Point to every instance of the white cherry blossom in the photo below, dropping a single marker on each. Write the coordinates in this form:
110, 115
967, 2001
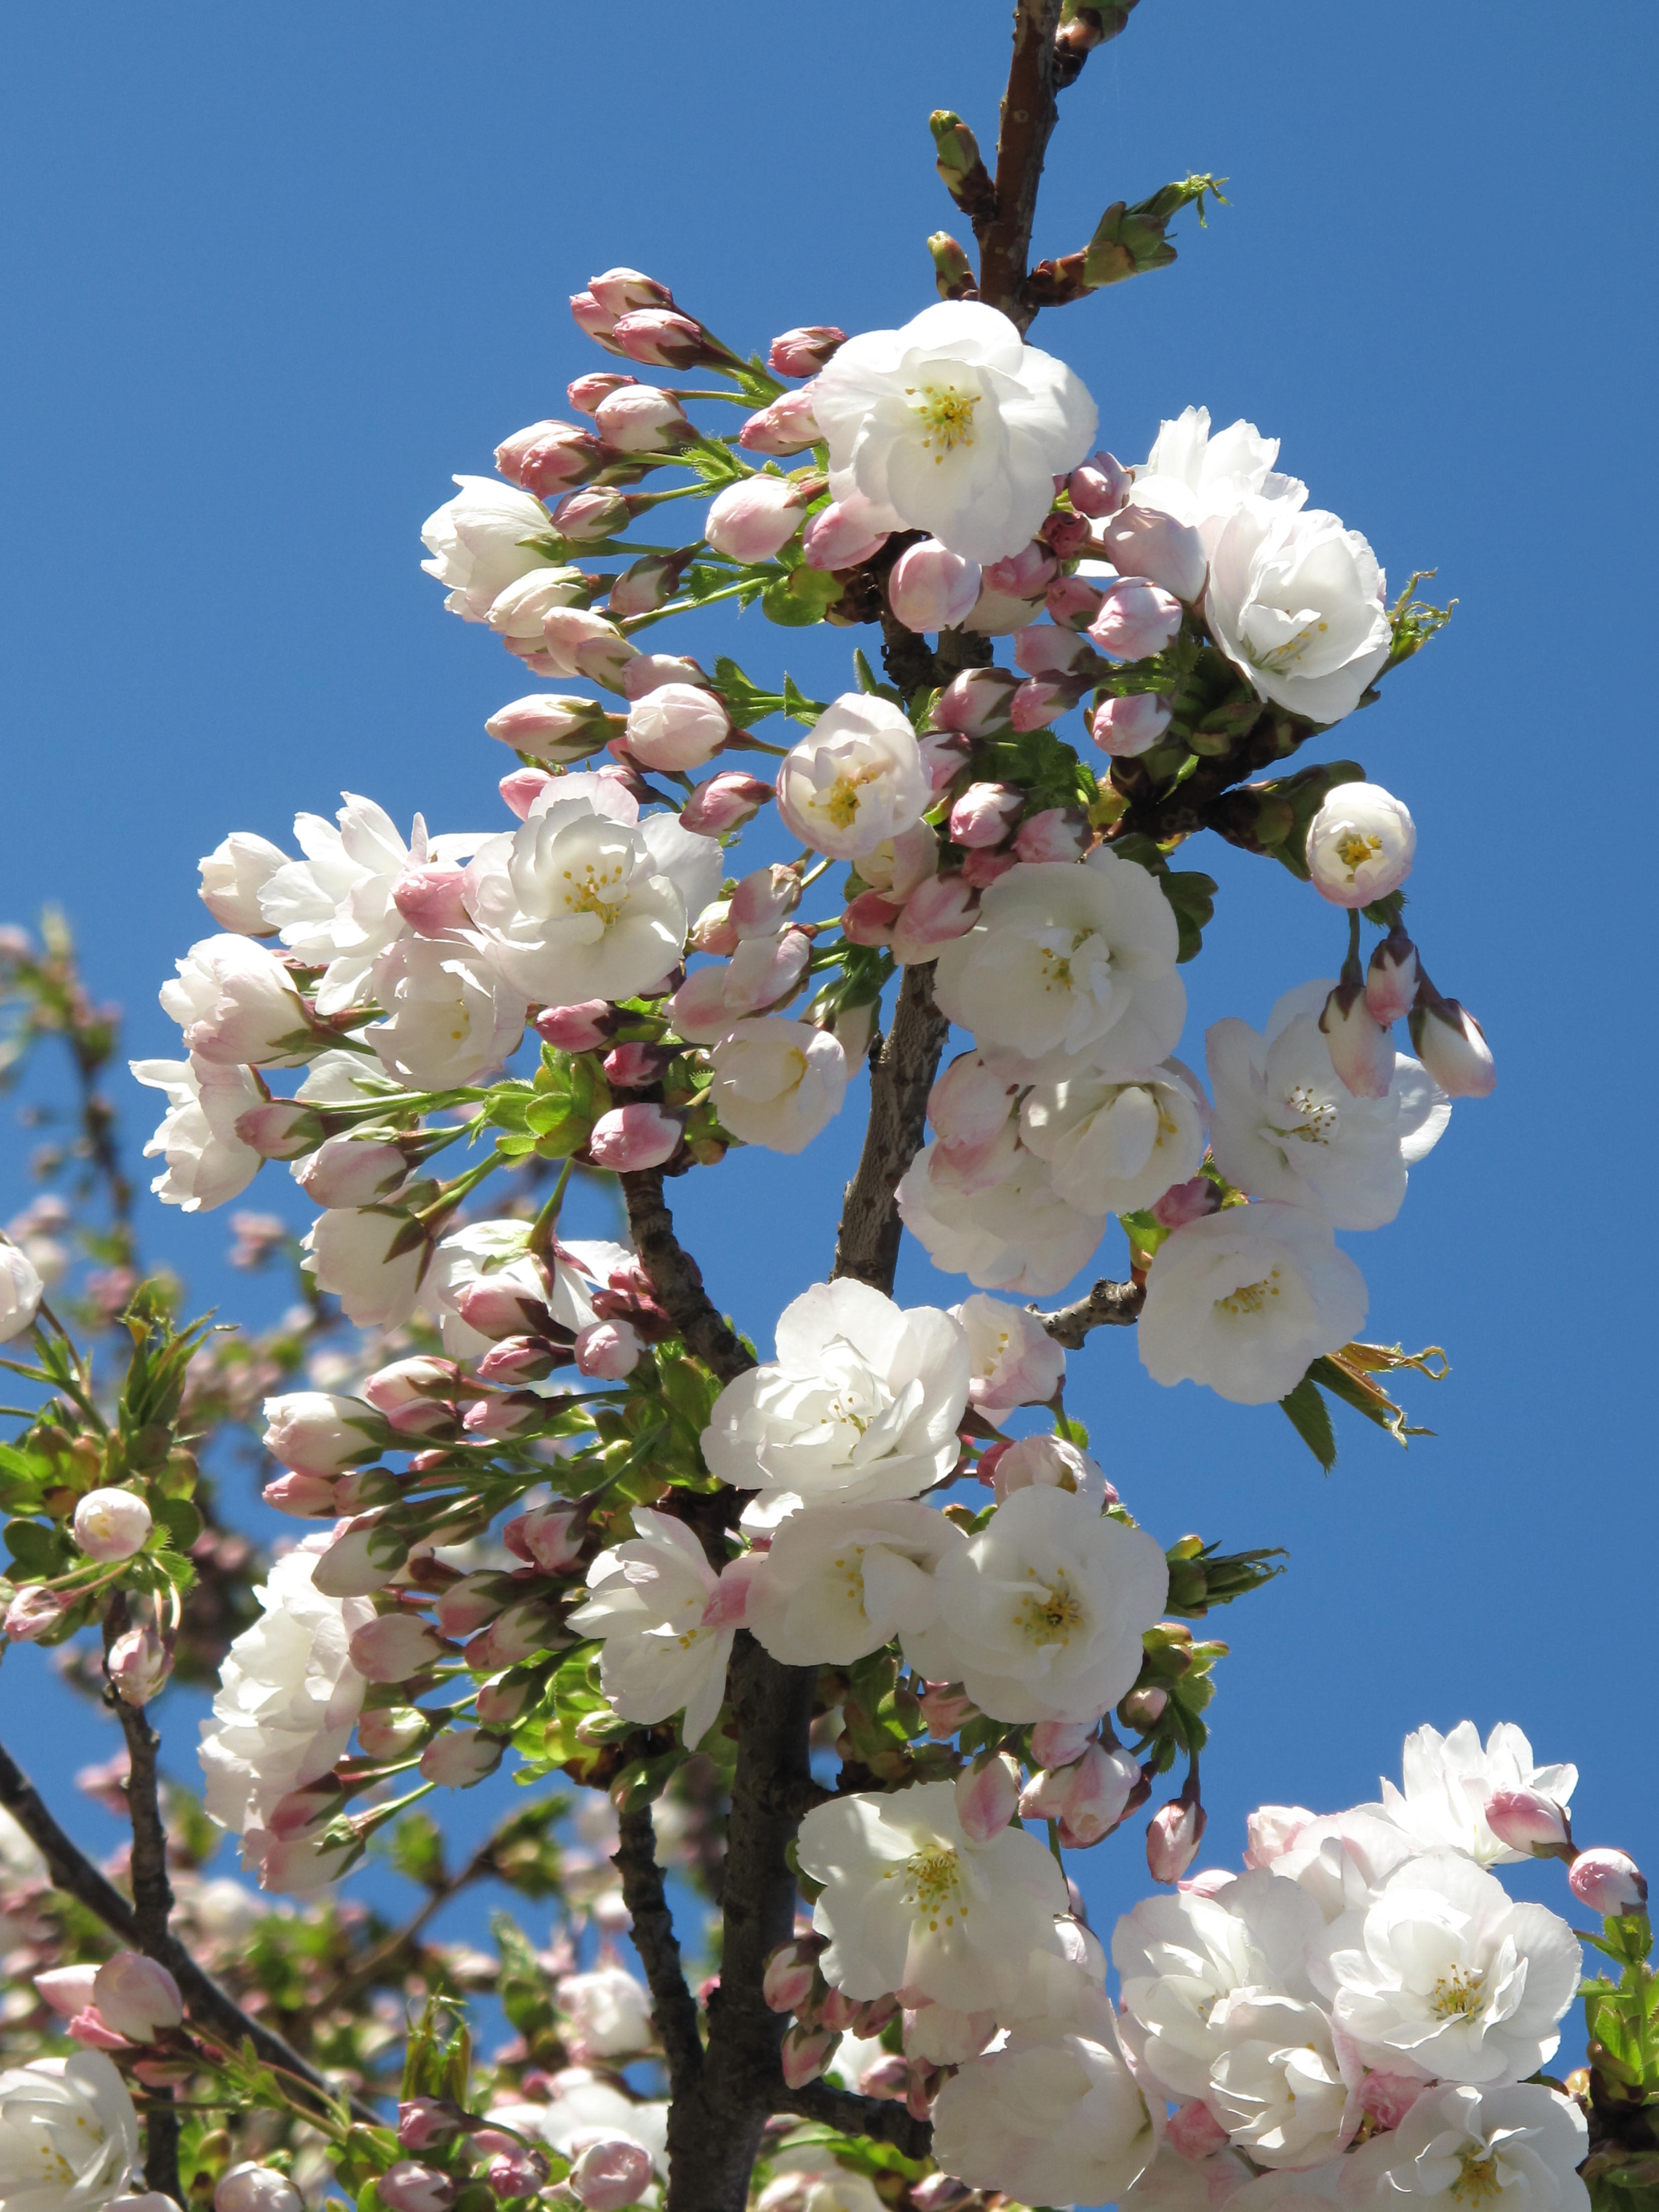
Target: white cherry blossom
1276, 2084
497, 1254
862, 1403
952, 425
1519, 2145
1015, 1360
349, 1251
999, 1220
1070, 958
1445, 1976
1360, 844
206, 1162
647, 1601
20, 1292
289, 1697
1297, 603
1244, 1300
1041, 1614
233, 875
855, 781
778, 1084
1286, 1125
449, 1017
236, 1002
1448, 1780
1052, 2116
478, 544
69, 2135
1115, 1145
911, 1904
840, 1581
1201, 477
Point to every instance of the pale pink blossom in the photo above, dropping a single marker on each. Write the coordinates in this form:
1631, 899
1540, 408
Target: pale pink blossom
638, 1135
1136, 618
753, 520
931, 588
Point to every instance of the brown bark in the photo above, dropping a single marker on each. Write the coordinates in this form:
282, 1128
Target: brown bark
1108, 1305
900, 1076
676, 1278
1028, 114
152, 1906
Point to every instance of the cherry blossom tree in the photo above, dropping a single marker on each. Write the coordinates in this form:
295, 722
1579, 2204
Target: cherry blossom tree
828, 1616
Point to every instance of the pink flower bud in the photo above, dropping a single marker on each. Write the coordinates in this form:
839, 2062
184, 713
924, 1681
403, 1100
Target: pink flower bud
429, 897
677, 727
785, 427
1044, 700
1128, 726
393, 1646
791, 1972
1529, 1822
1045, 650
838, 2011
588, 518
842, 535
1068, 534
112, 1524
424, 2121
551, 726
33, 1611
610, 2175
647, 586
519, 1632
1099, 487
251, 2188
1188, 1201
509, 1416
1195, 2132
869, 918
408, 2186
803, 352
640, 1135
347, 1170
1059, 833
660, 339
887, 2076
1143, 1709
461, 1757
1388, 2097
1391, 978
620, 291
1608, 1882
138, 1664
550, 1537
763, 899
280, 1129
1044, 1798
650, 669
1136, 618
522, 788
388, 1732
727, 801
1103, 1783
946, 1707
1173, 1836
754, 520
593, 320
519, 2172
361, 1559
970, 1103
975, 702
304, 1810
943, 755
641, 419
986, 1798
1058, 1743
67, 1989
1271, 1830
931, 588
984, 813
136, 1997
548, 457
1452, 1045
1074, 602
806, 2051
941, 908
1145, 543
581, 644
476, 1598
586, 392
608, 1350
91, 2029
981, 868
304, 1496
1025, 575
633, 1066
581, 1027
421, 1378
1362, 1051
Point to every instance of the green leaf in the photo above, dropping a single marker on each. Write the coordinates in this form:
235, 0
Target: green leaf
1308, 1416
182, 1521
39, 1551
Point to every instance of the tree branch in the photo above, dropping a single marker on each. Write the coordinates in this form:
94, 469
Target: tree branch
675, 1278
152, 1900
76, 1875
880, 2117
1028, 114
901, 1077
1108, 1305
673, 2007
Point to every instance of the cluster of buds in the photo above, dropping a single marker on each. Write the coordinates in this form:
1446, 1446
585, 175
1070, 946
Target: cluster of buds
1608, 1882
1085, 1782
793, 1982
129, 2001
632, 315
1361, 1009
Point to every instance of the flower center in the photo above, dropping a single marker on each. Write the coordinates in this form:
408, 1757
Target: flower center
1457, 1995
1319, 1117
841, 801
852, 1568
1250, 1297
932, 1884
946, 414
1478, 2181
595, 892
1281, 657
1354, 848
1049, 1615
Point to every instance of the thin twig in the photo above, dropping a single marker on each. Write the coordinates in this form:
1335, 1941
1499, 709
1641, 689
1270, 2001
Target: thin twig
1029, 115
673, 2007
152, 1896
901, 1077
1108, 1305
882, 2119
77, 1877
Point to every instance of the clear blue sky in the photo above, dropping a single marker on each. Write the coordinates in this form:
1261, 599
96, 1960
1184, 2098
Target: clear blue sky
272, 274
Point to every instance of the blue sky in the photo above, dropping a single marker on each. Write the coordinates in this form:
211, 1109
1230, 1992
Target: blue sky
273, 275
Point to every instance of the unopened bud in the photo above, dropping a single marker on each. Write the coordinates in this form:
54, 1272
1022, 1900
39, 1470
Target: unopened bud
1391, 978
1058, 833
1173, 1836
641, 1135
975, 702
755, 520
1144, 1709
138, 1664
461, 1757
347, 1170
550, 457
661, 337
549, 1537
986, 1798
393, 1646
280, 1129
251, 2188
610, 2175
1100, 486
389, 1731
931, 588
804, 352
676, 726
985, 814
1195, 2132
842, 535
791, 1973
1137, 618
1608, 1882
638, 418
805, 2053
585, 392
581, 1027
136, 1996
785, 427
361, 1559
1145, 543
946, 1708
608, 1350
1362, 1051
112, 1524
1185, 1202
1452, 1045
408, 2186
953, 272
727, 801
1128, 726
1102, 1785
552, 726
1531, 1823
